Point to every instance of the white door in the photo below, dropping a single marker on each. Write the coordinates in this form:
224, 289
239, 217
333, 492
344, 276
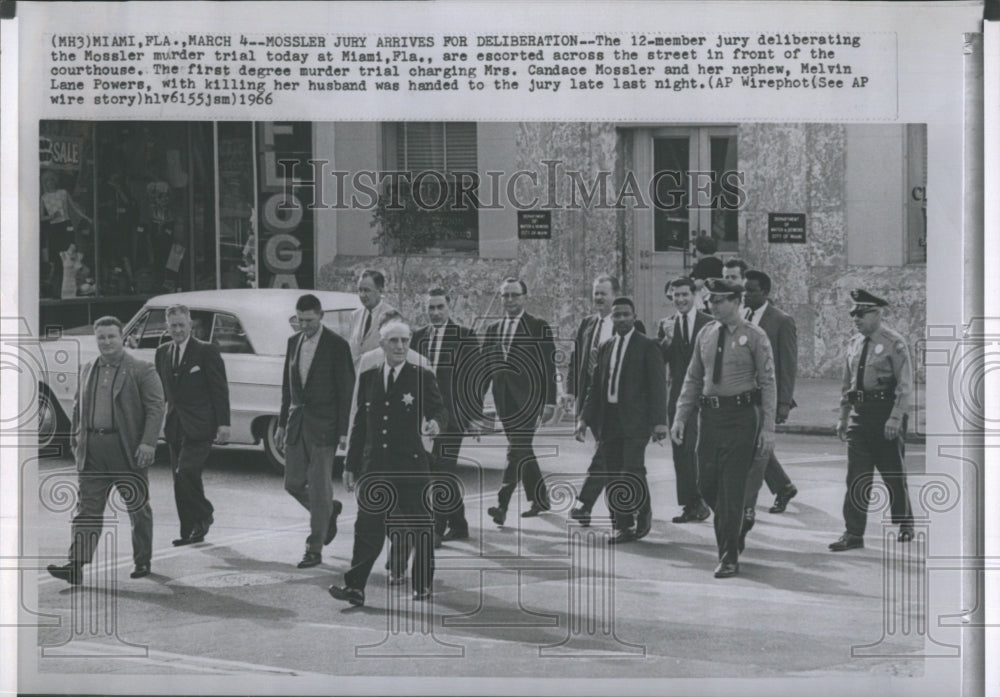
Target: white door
695, 188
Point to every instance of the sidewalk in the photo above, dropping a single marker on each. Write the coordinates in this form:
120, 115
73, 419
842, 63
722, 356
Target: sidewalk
819, 407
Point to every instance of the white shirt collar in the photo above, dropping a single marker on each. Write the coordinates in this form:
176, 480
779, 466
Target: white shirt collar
182, 347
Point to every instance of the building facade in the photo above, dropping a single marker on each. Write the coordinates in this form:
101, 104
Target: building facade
823, 208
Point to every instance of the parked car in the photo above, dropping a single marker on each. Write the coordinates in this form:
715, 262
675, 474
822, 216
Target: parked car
251, 328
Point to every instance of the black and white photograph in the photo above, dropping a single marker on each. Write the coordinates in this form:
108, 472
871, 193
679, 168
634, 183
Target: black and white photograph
495, 399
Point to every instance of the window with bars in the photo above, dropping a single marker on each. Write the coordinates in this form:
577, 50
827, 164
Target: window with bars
440, 166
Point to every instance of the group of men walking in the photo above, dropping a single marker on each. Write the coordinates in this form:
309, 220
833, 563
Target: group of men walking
403, 402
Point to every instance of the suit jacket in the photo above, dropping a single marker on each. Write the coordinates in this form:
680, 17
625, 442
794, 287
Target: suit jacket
362, 345
137, 407
579, 380
780, 329
677, 356
385, 438
325, 398
642, 388
197, 393
455, 372
525, 380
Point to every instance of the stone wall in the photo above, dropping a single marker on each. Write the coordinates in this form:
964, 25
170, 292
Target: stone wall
801, 168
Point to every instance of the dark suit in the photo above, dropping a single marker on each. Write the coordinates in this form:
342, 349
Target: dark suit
524, 381
781, 332
581, 371
197, 396
387, 456
677, 355
623, 429
455, 357
315, 415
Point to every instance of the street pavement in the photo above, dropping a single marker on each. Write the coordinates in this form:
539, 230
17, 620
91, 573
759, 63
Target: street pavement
541, 597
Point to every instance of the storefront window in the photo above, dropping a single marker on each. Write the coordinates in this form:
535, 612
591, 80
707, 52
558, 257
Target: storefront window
237, 215
66, 209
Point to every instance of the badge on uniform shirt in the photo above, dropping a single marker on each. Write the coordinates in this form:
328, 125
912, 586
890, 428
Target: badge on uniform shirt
879, 348
743, 340
407, 399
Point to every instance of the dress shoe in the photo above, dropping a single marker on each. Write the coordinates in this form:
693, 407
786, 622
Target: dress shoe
905, 535
686, 516
453, 534
425, 594
847, 541
726, 569
581, 514
782, 499
623, 536
71, 573
702, 511
643, 522
198, 534
499, 515
355, 596
184, 539
331, 527
310, 559
140, 571
535, 510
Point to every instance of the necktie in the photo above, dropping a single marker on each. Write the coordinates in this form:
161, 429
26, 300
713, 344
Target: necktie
860, 381
508, 336
177, 356
719, 348
368, 323
436, 347
391, 381
684, 329
595, 343
616, 367
750, 314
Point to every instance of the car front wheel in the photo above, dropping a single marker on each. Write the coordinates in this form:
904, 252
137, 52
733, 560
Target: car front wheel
275, 455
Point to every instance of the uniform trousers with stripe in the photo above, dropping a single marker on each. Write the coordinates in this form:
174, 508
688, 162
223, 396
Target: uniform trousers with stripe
868, 450
726, 445
396, 506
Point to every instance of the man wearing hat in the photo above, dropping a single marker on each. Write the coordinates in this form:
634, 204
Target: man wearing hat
731, 378
873, 412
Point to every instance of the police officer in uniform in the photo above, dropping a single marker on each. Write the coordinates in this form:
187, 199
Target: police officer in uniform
731, 377
873, 412
398, 402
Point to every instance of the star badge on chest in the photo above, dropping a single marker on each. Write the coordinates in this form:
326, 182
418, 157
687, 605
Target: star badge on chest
407, 399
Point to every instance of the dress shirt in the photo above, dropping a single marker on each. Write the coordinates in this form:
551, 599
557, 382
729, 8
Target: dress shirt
102, 415
177, 352
307, 350
509, 330
386, 369
756, 314
615, 374
437, 336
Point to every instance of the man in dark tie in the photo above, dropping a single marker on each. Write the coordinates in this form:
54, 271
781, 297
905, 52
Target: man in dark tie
626, 406
518, 355
731, 377
197, 394
316, 387
781, 332
398, 402
677, 344
451, 350
593, 331
117, 414
366, 320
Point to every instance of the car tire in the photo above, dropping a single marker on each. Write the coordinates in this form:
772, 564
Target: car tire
53, 425
274, 455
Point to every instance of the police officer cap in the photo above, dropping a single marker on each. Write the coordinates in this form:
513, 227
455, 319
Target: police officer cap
864, 301
720, 286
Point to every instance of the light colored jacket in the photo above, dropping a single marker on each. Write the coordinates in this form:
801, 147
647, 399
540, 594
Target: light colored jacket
137, 406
